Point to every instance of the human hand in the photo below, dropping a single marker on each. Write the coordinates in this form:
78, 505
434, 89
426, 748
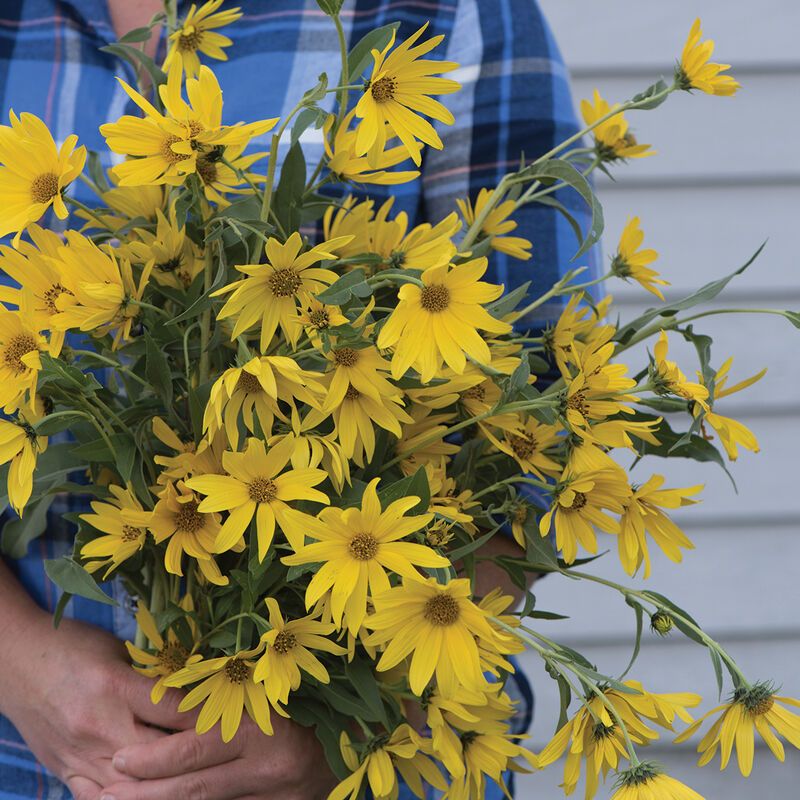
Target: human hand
75, 700
289, 765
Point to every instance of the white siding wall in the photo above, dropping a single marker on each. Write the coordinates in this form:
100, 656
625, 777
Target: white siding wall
727, 176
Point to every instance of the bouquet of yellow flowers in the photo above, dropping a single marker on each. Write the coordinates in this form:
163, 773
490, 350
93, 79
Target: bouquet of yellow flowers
295, 450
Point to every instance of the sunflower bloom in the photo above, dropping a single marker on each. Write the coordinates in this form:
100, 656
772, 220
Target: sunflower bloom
496, 225
33, 173
612, 139
356, 547
646, 781
397, 92
581, 504
256, 486
226, 690
272, 291
438, 626
439, 322
20, 360
668, 378
417, 440
20, 445
527, 444
188, 458
123, 522
196, 34
349, 218
288, 651
754, 709
631, 262
170, 655
696, 71
643, 515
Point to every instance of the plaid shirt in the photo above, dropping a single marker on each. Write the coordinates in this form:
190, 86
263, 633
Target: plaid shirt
515, 98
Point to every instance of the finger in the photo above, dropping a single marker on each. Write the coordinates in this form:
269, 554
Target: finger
83, 788
216, 783
176, 754
136, 690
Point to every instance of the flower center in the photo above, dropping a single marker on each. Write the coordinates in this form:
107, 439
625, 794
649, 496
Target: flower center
188, 518
207, 170
577, 402
352, 393
44, 187
363, 546
284, 642
236, 671
435, 298
131, 534
170, 265
523, 446
190, 39
284, 282
52, 294
173, 656
601, 731
383, 90
262, 490
475, 393
345, 357
16, 347
521, 514
441, 609
319, 318
169, 154
249, 383
578, 503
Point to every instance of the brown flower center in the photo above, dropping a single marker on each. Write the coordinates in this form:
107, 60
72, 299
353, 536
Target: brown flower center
131, 534
190, 39
207, 170
521, 514
523, 446
262, 490
578, 503
319, 318
345, 357
52, 294
169, 154
188, 518
475, 393
363, 546
172, 656
249, 383
762, 706
284, 282
236, 671
284, 642
44, 187
352, 393
383, 90
435, 298
441, 609
16, 347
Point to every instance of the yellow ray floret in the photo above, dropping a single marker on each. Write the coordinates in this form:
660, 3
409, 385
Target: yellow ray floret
612, 138
630, 262
695, 71
496, 225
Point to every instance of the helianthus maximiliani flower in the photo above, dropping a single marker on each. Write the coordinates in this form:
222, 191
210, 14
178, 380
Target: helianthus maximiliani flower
631, 262
695, 71
496, 225
612, 138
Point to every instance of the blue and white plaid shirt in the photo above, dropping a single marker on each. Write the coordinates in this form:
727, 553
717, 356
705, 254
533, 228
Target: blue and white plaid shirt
515, 98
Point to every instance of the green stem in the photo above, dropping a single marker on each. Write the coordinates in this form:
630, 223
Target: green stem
205, 318
151, 307
513, 479
343, 90
115, 364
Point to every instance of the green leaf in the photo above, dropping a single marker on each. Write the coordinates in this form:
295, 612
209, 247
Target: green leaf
136, 35
506, 303
288, 201
564, 698
305, 119
95, 168
655, 89
351, 284
68, 377
360, 56
18, 533
639, 611
793, 317
56, 423
205, 299
549, 200
73, 578
702, 295
470, 547
61, 607
360, 674
330, 7
717, 664
415, 485
682, 626
316, 93
557, 169
157, 369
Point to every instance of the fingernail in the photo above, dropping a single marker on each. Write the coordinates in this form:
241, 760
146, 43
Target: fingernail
107, 797
118, 763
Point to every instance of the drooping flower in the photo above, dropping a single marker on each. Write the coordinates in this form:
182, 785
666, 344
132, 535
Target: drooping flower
20, 360
397, 93
356, 547
496, 225
612, 138
438, 323
646, 781
20, 445
631, 262
196, 34
528, 443
695, 71
669, 379
752, 709
33, 172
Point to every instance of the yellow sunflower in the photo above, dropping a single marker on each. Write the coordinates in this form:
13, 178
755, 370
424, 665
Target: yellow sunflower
631, 262
20, 445
196, 34
33, 173
351, 218
439, 626
20, 361
356, 546
227, 688
527, 444
752, 709
288, 651
397, 92
271, 292
580, 505
256, 486
646, 781
225, 169
612, 138
496, 225
695, 71
188, 458
123, 522
363, 368
311, 450
439, 322
668, 378
643, 515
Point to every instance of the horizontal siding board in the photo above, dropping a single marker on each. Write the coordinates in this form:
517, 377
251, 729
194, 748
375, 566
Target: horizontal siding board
623, 32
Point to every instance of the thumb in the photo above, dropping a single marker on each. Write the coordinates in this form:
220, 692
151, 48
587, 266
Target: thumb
137, 693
